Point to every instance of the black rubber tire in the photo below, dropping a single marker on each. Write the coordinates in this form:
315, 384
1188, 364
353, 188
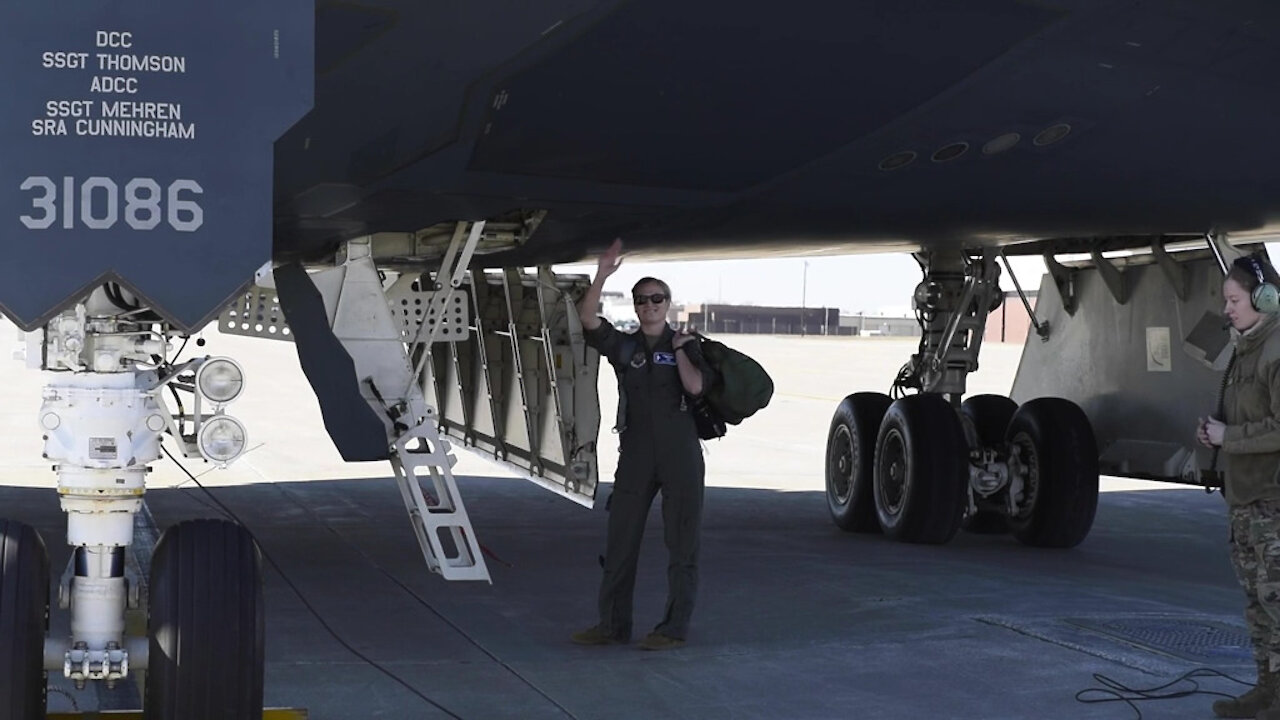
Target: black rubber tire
921, 471
1054, 437
990, 416
205, 622
24, 620
850, 463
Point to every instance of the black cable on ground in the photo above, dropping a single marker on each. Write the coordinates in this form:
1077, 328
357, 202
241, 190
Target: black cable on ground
422, 601
307, 603
1113, 691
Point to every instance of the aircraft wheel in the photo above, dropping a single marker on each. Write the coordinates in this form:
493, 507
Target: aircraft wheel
921, 471
205, 624
1050, 439
24, 618
990, 416
851, 444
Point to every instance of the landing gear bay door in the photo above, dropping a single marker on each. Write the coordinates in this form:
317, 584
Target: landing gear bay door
137, 140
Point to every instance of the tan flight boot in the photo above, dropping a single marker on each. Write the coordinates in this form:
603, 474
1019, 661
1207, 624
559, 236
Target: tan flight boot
1259, 702
597, 635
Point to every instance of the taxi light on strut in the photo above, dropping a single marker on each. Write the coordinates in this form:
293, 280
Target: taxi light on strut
222, 439
220, 379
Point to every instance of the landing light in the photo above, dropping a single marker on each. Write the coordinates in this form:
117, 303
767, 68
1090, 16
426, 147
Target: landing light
221, 380
222, 439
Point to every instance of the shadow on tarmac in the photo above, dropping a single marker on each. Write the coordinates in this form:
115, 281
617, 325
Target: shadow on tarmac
796, 619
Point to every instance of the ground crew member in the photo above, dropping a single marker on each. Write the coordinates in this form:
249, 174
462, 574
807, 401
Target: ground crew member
1247, 430
658, 369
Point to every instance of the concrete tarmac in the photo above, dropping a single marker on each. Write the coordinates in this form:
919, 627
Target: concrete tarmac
796, 619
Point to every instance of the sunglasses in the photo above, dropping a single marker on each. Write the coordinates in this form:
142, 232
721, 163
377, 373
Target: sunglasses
656, 299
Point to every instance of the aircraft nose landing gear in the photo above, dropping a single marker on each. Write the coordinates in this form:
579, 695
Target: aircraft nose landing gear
103, 416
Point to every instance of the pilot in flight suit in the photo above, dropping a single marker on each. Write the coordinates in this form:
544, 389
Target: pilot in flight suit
660, 451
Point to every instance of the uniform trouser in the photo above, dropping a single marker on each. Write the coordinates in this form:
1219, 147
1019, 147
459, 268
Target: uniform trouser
1255, 554
678, 473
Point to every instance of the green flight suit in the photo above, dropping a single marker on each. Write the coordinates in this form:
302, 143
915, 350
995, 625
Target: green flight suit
660, 450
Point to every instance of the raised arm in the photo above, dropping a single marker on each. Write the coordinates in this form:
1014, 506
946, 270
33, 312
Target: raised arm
590, 302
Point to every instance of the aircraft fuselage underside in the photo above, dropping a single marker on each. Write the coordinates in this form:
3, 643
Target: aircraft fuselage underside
702, 131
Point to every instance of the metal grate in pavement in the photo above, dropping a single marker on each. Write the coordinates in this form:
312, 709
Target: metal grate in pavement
1197, 640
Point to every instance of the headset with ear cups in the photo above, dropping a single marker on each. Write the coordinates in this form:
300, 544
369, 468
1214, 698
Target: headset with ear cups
1266, 297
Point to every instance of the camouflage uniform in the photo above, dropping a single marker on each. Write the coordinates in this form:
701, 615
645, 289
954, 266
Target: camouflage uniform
1255, 554
1251, 446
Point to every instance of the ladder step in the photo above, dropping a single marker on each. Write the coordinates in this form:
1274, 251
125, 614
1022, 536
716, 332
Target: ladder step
440, 518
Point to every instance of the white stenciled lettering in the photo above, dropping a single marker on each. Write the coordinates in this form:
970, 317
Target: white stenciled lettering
130, 110
48, 127
106, 84
68, 203
113, 39
68, 108
137, 203
185, 215
45, 202
112, 193
142, 63
146, 204
65, 60
158, 129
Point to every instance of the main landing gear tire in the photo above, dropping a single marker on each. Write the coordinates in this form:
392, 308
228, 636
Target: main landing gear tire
1052, 440
206, 624
24, 618
990, 416
921, 470
851, 444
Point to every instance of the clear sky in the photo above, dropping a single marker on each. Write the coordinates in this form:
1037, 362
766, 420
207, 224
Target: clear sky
853, 283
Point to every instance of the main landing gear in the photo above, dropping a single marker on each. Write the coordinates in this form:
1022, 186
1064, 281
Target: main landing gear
921, 467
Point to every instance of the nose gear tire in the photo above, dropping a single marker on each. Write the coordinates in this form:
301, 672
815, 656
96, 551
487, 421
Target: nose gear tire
24, 612
206, 624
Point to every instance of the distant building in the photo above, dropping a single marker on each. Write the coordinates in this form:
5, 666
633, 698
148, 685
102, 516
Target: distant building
1010, 322
879, 325
754, 319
